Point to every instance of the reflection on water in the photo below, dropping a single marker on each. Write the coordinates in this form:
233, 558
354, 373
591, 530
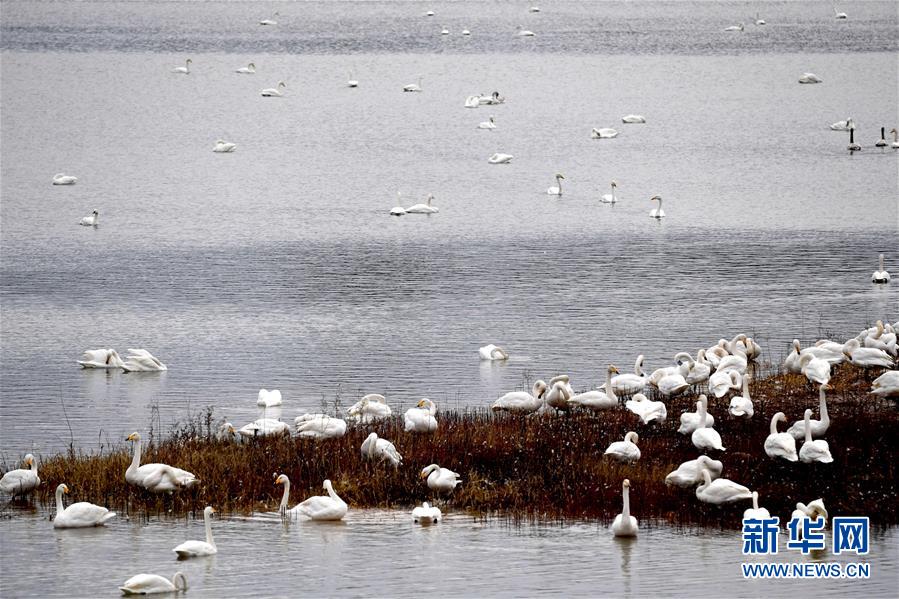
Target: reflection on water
381, 553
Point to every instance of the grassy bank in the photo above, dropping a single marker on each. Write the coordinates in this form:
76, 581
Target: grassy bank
543, 467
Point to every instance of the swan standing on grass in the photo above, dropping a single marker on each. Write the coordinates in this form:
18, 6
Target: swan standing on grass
557, 189
633, 118
423, 208
818, 427
425, 514
881, 275
690, 473
492, 352
413, 87
720, 490
625, 525
657, 212
370, 408
843, 125
274, 92
610, 198
627, 383
694, 371
500, 158
647, 410
598, 400
100, 358
441, 480
723, 381
79, 515
690, 421
627, 450
272, 21
149, 584
91, 221
199, 548
604, 133
813, 451
381, 450
815, 369
328, 507
63, 179
158, 478
741, 406
268, 399
521, 402
185, 70
224, 147
705, 437
780, 445
559, 392
739, 27
421, 418
320, 426
21, 480
250, 69
810, 78
673, 384
886, 385
866, 357
488, 124
756, 512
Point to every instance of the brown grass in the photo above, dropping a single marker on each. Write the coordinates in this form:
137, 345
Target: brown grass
536, 467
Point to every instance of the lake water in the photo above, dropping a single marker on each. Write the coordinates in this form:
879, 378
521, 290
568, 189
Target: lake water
278, 266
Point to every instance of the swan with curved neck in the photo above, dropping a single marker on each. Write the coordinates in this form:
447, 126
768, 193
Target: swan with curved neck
780, 445
490, 123
413, 87
630, 383
522, 402
818, 427
250, 69
147, 584
657, 212
91, 221
625, 525
425, 514
441, 480
421, 418
272, 21
720, 490
185, 70
423, 208
814, 368
382, 450
274, 92
647, 410
627, 450
492, 352
199, 548
741, 406
556, 190
21, 480
813, 451
690, 472
158, 478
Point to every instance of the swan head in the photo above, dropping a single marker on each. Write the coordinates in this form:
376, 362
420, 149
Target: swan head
613, 369
282, 84
493, 121
539, 389
632, 437
189, 61
135, 436
425, 403
327, 484
29, 460
281, 479
654, 198
638, 397
64, 488
614, 183
428, 470
559, 176
779, 417
208, 511
371, 438
626, 484
95, 212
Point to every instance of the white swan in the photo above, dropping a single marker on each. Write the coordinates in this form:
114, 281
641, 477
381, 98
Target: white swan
690, 421
597, 400
756, 512
91, 221
818, 427
895, 143
488, 124
627, 383
441, 480
185, 70
444, 31
320, 426
625, 451
843, 125
492, 352
472, 102
829, 351
370, 408
250, 69
140, 360
556, 190
739, 27
610, 198
492, 99
272, 21
741, 405
624, 524
423, 208
158, 478
274, 92
149, 584
430, 13
647, 410
657, 212
759, 21
813, 451
880, 275
328, 507
63, 179
866, 357
264, 427
521, 402
398, 210
351, 81
500, 158
421, 418
227, 432
814, 368
720, 490
425, 514
886, 385
268, 399
79, 515
199, 548
525, 32
466, 32
839, 15
559, 392
690, 473
780, 445
722, 382
633, 118
810, 78
224, 147
694, 371
413, 87
812, 510
673, 384
853, 147
604, 133
382, 450
705, 437
737, 361
21, 480
882, 142
534, 9
100, 358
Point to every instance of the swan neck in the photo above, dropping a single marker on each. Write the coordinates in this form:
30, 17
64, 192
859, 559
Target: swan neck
610, 391
822, 407
638, 366
285, 496
755, 500
207, 517
808, 428
774, 424
135, 459
881, 256
702, 414
60, 505
179, 581
626, 496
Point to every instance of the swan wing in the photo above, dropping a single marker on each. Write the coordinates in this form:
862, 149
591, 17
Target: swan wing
144, 584
83, 514
193, 548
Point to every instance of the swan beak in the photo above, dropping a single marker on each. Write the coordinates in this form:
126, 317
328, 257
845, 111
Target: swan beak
231, 430
65, 489
130, 437
615, 370
421, 404
423, 475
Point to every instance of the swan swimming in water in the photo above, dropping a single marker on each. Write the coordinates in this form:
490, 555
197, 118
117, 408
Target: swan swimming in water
63, 179
810, 78
328, 507
274, 92
521, 402
839, 15
272, 21
21, 480
895, 144
610, 198
441, 480
627, 450
423, 208
149, 584
224, 147
633, 118
843, 125
488, 124
351, 81
881, 275
604, 133
413, 87
466, 32
199, 548
759, 21
79, 515
882, 142
780, 445
382, 450
320, 426
492, 352
444, 31
158, 478
739, 27
140, 360
499, 158
425, 514
690, 473
556, 190
525, 32
720, 490
853, 147
625, 525
472, 102
185, 70
813, 451
656, 212
250, 69
91, 221
100, 358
